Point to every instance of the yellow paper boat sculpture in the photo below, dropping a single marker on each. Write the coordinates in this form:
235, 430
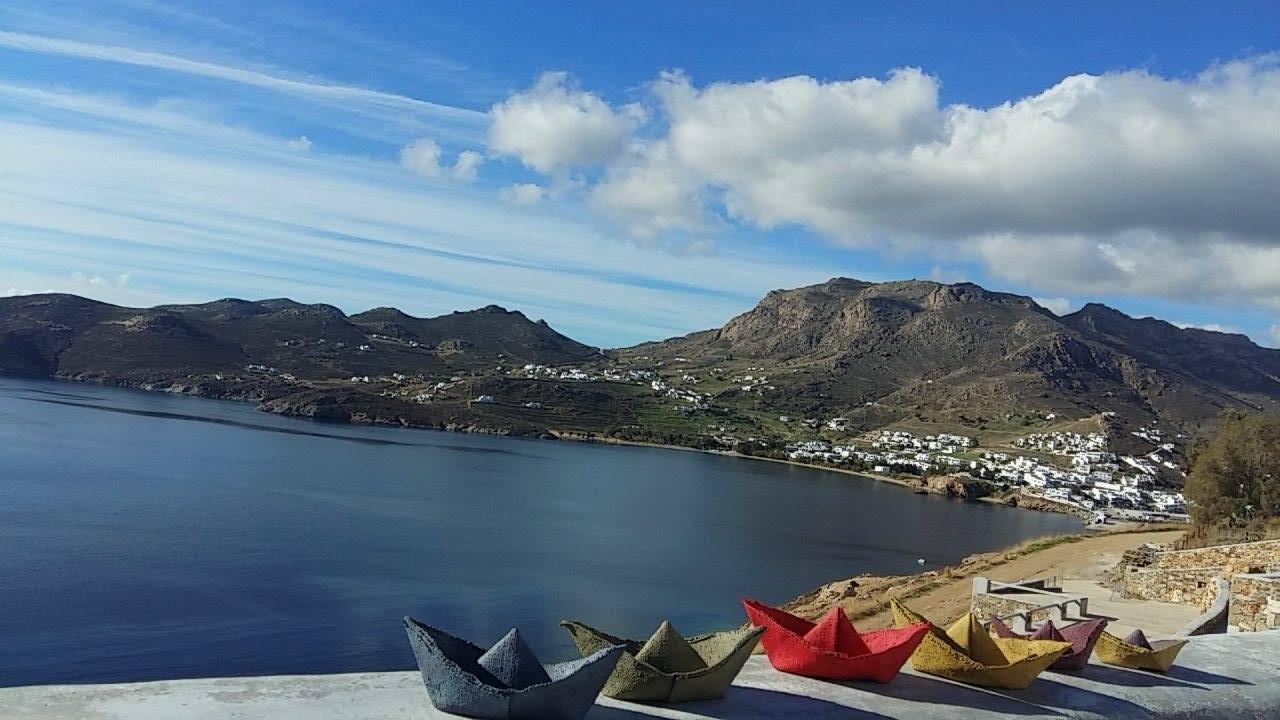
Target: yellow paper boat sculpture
1136, 652
668, 667
966, 653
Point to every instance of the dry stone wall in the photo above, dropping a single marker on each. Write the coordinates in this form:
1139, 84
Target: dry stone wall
1189, 586
1263, 555
1189, 577
1255, 602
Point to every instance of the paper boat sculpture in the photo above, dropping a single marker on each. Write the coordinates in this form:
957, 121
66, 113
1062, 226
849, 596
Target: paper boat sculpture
832, 649
507, 681
965, 652
667, 667
1082, 636
1136, 652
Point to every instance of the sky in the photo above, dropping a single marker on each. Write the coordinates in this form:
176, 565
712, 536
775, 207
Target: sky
635, 171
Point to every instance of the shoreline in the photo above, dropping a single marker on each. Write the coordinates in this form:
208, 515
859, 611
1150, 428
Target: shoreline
560, 435
876, 477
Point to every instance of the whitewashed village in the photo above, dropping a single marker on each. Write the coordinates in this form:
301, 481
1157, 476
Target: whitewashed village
1084, 474
1075, 472
1096, 480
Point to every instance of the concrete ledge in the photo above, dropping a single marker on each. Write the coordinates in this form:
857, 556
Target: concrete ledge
1025, 603
1214, 619
1217, 676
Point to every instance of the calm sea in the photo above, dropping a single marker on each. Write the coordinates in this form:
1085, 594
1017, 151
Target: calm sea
149, 536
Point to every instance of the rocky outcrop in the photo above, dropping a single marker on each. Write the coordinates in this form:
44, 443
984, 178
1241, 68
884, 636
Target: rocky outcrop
957, 486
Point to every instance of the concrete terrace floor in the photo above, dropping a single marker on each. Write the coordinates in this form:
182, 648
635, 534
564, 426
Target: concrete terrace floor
1157, 619
1222, 676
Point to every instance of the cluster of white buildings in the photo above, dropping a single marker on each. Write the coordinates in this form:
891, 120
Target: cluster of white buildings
1064, 443
573, 374
694, 399
903, 440
1097, 479
753, 383
1160, 456
891, 451
1097, 490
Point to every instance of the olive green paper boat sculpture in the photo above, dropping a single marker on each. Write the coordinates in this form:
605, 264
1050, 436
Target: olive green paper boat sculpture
1136, 652
507, 681
667, 667
967, 653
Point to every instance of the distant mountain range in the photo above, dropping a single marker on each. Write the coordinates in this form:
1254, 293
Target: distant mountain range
963, 351
70, 336
876, 353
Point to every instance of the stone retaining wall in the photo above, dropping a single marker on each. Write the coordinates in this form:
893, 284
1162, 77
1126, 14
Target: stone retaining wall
1189, 577
1263, 555
1189, 586
1255, 602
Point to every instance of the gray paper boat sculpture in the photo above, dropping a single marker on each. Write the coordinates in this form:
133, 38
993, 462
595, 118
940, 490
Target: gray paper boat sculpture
507, 681
667, 667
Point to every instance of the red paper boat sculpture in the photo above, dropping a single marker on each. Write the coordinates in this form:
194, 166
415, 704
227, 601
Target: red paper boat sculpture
832, 649
1082, 636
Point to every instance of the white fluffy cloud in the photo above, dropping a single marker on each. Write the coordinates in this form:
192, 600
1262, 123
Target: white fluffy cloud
1214, 267
524, 193
422, 156
465, 167
554, 125
1275, 335
651, 194
1055, 305
1124, 182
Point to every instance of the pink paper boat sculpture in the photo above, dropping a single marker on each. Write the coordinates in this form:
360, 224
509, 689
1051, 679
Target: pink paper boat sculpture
832, 649
1081, 635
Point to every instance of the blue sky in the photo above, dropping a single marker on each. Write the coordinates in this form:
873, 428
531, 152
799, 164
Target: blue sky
631, 171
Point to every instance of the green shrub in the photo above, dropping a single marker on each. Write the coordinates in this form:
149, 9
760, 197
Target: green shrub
1235, 476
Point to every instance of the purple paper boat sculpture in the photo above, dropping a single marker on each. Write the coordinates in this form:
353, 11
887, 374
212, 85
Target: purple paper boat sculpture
1082, 636
507, 681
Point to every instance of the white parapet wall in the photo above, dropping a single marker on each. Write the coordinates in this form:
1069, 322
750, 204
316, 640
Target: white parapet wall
1217, 676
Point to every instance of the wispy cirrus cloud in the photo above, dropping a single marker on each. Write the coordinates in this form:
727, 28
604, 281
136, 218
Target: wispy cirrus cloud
290, 150
467, 123
189, 209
